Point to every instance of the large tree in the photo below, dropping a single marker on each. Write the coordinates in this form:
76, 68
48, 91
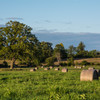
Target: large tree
17, 40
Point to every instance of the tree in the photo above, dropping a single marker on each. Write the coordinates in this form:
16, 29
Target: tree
17, 41
46, 50
81, 47
50, 61
70, 61
80, 50
71, 51
94, 53
60, 52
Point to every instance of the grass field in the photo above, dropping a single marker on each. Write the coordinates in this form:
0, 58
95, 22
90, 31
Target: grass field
47, 85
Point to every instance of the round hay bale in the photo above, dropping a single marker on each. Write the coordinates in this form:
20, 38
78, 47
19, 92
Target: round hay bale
88, 75
91, 68
46, 68
51, 67
64, 70
31, 70
42, 66
75, 66
57, 68
79, 67
36, 68
83, 66
98, 71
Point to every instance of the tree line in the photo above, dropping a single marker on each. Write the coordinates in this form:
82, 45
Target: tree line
18, 43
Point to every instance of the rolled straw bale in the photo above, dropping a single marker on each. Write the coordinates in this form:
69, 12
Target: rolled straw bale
75, 66
83, 66
42, 66
91, 68
57, 68
51, 67
88, 75
79, 67
36, 68
47, 68
64, 70
31, 70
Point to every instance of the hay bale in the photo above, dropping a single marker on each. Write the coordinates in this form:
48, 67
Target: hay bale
51, 67
57, 68
91, 68
64, 70
42, 66
75, 66
36, 68
31, 70
83, 66
98, 71
47, 68
88, 75
79, 67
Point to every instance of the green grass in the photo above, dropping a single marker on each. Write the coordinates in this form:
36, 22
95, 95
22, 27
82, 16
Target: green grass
47, 85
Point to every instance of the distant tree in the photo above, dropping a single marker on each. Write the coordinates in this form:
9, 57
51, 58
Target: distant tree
1, 44
80, 50
81, 47
46, 50
60, 52
94, 53
71, 51
17, 41
50, 61
70, 61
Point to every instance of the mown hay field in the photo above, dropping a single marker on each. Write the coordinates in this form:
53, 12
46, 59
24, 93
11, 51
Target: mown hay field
47, 85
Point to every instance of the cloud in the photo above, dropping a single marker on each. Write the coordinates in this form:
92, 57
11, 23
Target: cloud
68, 23
88, 27
47, 21
55, 31
91, 40
1, 19
14, 18
45, 31
2, 25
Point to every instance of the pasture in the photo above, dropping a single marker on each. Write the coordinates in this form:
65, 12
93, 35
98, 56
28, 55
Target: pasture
47, 85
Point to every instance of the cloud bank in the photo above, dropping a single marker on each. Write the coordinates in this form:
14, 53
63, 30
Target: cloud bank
91, 40
14, 18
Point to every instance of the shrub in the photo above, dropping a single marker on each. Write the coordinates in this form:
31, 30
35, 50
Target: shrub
5, 63
70, 61
97, 64
77, 63
85, 63
63, 64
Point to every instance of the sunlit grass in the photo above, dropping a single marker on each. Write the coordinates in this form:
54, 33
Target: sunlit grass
47, 85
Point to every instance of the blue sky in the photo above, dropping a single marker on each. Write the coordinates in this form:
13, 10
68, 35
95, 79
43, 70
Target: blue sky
52, 16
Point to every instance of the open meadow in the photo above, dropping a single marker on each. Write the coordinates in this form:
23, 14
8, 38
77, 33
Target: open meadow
47, 85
